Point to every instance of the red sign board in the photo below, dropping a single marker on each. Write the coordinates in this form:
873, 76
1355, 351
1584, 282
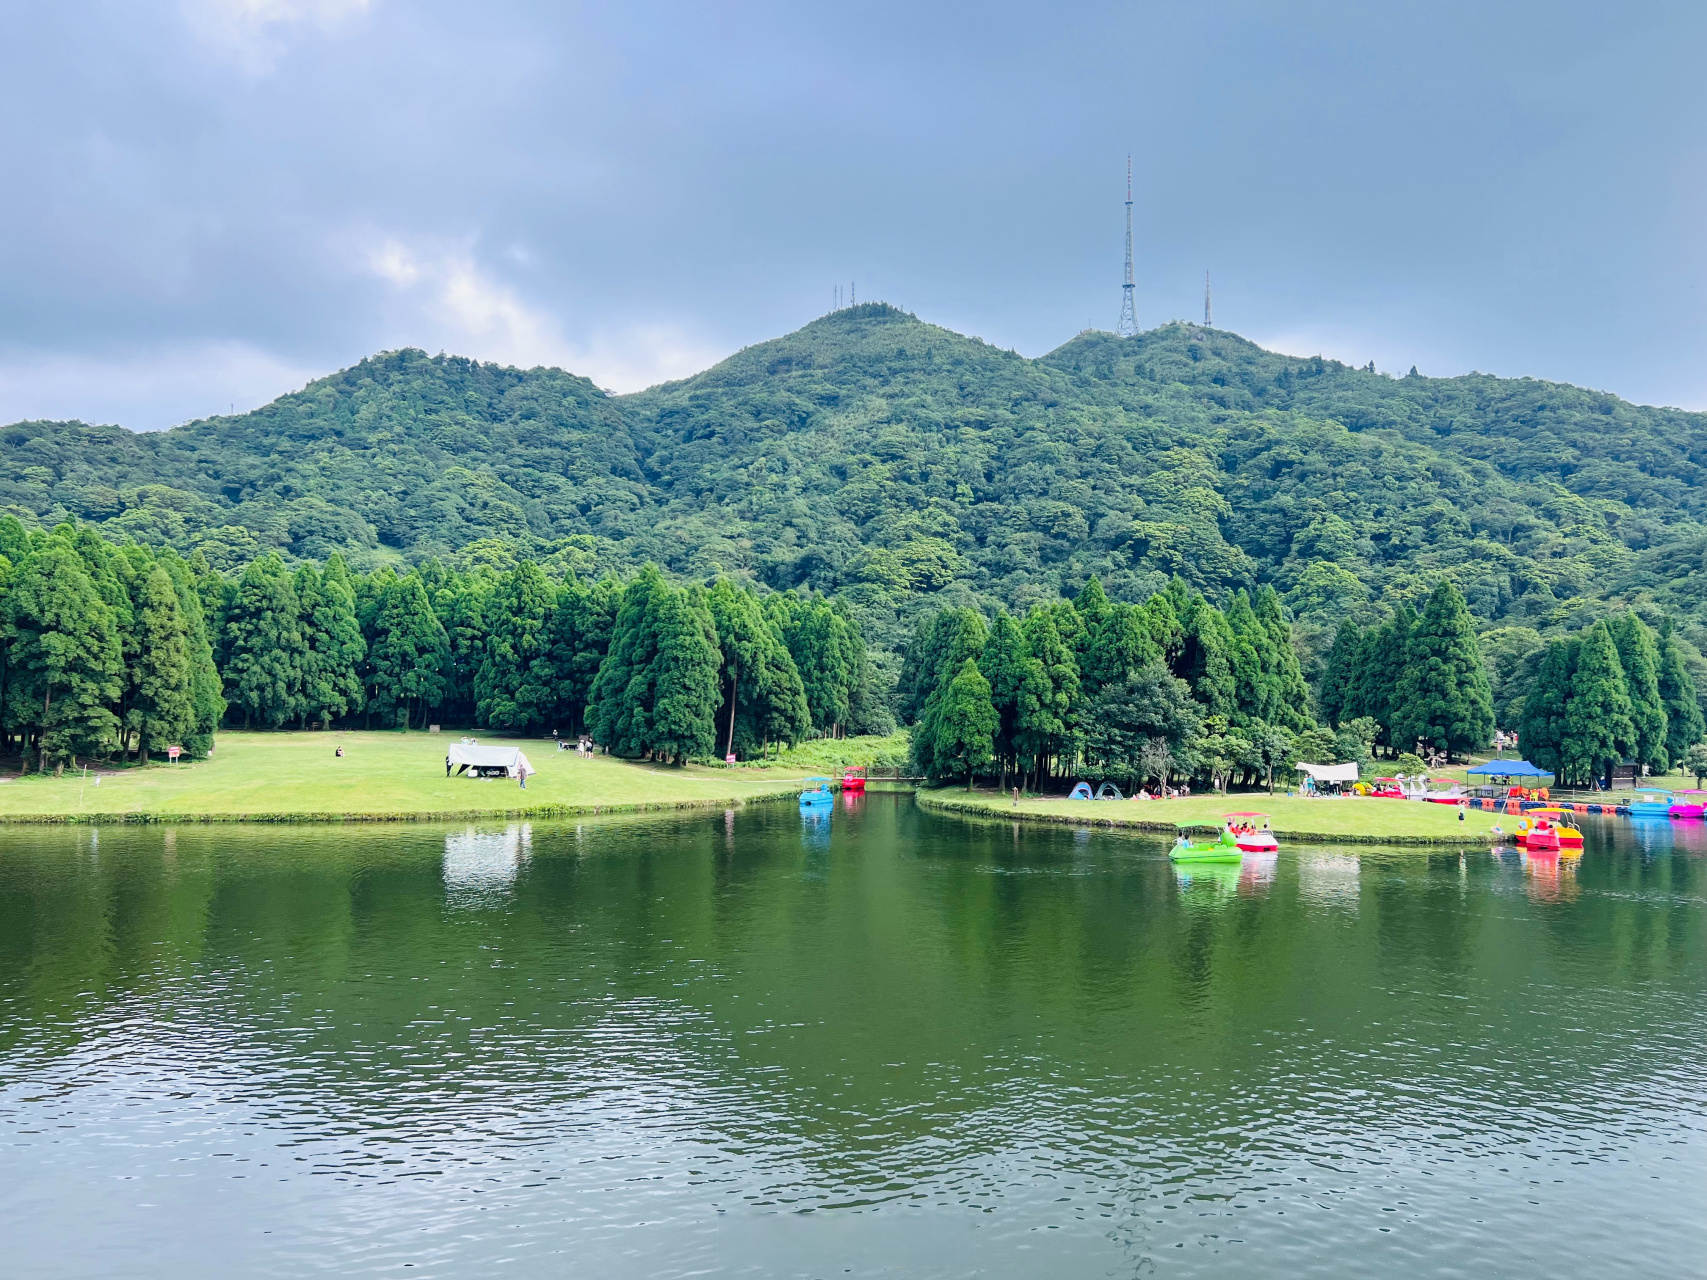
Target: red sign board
172, 753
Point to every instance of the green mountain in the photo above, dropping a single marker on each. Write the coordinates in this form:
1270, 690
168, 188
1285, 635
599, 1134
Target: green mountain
889, 459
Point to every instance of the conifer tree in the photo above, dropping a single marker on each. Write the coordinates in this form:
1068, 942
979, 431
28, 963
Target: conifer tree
206, 697
1598, 729
1205, 660
1006, 663
959, 635
1119, 643
164, 711
64, 658
1443, 696
619, 713
762, 693
580, 636
1684, 727
1332, 697
684, 676
516, 686
1640, 661
1052, 682
410, 651
1542, 729
1287, 694
1251, 696
332, 682
264, 645
965, 724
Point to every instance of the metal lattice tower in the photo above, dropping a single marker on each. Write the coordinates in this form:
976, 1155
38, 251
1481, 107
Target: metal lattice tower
1208, 315
1128, 326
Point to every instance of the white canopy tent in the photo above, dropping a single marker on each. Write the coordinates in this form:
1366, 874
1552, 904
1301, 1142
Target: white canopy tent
487, 760
1329, 772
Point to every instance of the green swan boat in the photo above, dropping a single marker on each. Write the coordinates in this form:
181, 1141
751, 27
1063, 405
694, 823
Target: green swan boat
1222, 850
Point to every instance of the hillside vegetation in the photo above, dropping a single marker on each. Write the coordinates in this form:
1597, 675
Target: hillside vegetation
891, 460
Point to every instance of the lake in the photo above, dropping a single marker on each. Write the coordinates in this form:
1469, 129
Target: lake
880, 1043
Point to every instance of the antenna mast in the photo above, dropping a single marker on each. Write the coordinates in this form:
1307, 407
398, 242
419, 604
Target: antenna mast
1208, 315
1128, 326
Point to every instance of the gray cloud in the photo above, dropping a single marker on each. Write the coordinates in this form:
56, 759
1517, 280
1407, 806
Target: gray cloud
209, 202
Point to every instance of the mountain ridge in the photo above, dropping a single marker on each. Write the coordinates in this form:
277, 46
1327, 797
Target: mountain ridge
877, 455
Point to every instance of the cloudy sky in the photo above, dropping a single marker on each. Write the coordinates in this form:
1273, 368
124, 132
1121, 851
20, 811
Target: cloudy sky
208, 202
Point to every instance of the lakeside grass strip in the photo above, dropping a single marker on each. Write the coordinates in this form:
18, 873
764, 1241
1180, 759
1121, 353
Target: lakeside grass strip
294, 776
1096, 814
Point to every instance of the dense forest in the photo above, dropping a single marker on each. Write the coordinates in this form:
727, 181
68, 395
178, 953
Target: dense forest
901, 470
119, 650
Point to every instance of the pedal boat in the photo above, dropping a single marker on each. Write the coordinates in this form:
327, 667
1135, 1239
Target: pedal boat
1222, 850
1248, 836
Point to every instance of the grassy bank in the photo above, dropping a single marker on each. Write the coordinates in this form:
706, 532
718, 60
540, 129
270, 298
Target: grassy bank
1293, 817
276, 777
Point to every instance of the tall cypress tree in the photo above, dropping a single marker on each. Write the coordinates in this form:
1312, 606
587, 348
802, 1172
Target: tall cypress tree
1443, 698
1598, 729
1205, 658
65, 661
1287, 693
684, 676
966, 724
264, 645
1640, 661
1335, 693
1053, 684
1006, 663
1684, 726
164, 711
763, 698
410, 653
206, 696
1542, 728
620, 711
332, 682
1118, 643
517, 685
1251, 695
958, 635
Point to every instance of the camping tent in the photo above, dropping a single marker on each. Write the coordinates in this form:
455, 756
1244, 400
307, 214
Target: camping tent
487, 761
1328, 772
1509, 769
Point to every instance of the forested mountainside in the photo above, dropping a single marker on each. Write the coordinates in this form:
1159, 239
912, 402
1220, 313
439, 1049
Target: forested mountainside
891, 460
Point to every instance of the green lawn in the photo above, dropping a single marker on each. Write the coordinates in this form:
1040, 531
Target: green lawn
1398, 821
381, 775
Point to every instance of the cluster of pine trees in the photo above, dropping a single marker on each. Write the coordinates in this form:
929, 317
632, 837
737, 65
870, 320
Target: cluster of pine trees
1614, 692
1421, 679
1133, 691
109, 649
102, 649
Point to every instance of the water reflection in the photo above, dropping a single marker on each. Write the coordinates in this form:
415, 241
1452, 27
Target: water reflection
815, 827
480, 865
953, 1048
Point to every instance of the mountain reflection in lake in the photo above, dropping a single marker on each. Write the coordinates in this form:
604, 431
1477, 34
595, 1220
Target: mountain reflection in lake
868, 1042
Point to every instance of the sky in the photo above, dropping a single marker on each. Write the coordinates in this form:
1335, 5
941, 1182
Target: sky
206, 203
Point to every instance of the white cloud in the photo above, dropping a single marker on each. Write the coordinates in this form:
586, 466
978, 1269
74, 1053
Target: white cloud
144, 389
254, 32
444, 300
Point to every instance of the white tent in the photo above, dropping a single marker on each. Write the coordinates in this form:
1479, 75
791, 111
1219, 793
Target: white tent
465, 755
1329, 772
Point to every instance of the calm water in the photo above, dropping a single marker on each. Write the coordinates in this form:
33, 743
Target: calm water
882, 1044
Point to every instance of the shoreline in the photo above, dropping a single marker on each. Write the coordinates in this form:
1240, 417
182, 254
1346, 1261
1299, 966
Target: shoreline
145, 818
992, 808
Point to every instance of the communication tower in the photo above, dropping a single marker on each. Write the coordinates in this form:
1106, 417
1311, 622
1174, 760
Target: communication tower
1128, 326
1208, 315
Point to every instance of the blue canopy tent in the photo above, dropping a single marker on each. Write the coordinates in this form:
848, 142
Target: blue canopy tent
1509, 769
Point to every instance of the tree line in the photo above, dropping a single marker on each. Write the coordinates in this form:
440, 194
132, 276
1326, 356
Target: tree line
110, 650
1171, 686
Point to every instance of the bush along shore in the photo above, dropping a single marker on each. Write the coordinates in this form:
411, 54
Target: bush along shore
1385, 822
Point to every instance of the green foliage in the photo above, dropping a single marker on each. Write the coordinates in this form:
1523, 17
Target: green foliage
164, 712
1695, 760
264, 646
409, 654
1143, 724
64, 656
1598, 727
1443, 696
1684, 722
965, 724
516, 686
